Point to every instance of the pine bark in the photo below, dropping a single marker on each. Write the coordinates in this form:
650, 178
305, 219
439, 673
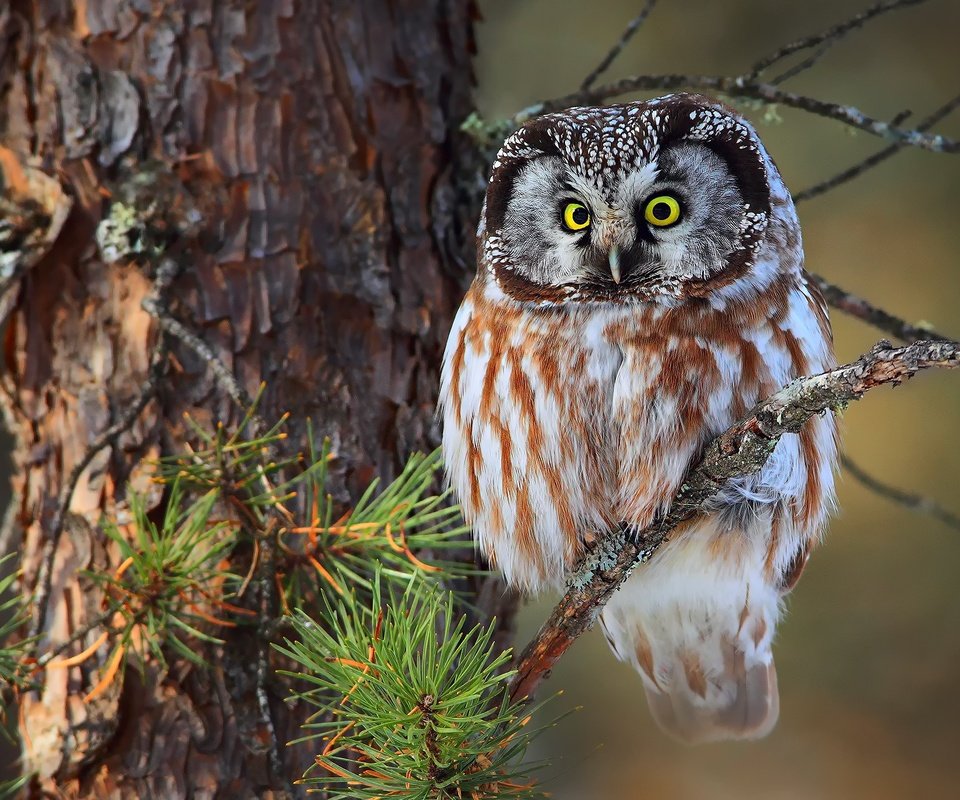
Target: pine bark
298, 159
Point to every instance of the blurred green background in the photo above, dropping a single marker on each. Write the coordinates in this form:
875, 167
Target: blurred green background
869, 653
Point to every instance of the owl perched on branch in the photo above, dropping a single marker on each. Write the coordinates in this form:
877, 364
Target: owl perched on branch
640, 288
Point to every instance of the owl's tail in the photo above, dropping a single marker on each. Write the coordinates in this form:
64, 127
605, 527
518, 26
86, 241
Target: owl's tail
697, 622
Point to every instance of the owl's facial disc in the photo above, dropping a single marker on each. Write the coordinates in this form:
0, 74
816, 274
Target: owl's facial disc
665, 222
666, 198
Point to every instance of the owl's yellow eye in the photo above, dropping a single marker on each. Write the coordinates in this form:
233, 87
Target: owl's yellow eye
662, 211
576, 217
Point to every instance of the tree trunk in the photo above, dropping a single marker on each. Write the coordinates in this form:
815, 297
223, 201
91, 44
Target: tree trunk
298, 160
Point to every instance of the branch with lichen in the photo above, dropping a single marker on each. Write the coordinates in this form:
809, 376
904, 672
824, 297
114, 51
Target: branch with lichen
741, 450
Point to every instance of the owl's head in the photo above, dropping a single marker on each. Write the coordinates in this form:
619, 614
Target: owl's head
669, 198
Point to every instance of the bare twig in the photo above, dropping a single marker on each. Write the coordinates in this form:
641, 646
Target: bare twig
828, 38
910, 500
867, 312
803, 66
266, 613
741, 450
742, 88
873, 315
228, 383
106, 439
877, 158
96, 622
225, 378
632, 27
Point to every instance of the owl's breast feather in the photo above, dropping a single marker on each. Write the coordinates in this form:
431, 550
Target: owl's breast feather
563, 422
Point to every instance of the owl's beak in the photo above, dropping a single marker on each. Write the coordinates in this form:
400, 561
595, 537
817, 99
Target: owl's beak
614, 258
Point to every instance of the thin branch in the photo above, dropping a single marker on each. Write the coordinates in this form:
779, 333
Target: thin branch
873, 315
910, 500
225, 379
830, 36
877, 158
803, 66
267, 598
741, 450
867, 312
628, 33
107, 438
77, 636
230, 385
742, 88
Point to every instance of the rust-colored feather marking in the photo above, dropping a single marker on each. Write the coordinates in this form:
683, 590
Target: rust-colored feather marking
693, 672
526, 543
475, 465
488, 393
801, 365
813, 493
795, 568
644, 654
561, 501
776, 528
506, 457
759, 631
818, 304
521, 392
548, 372
456, 393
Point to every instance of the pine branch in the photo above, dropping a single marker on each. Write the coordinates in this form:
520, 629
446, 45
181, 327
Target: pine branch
170, 581
410, 703
13, 667
108, 438
741, 450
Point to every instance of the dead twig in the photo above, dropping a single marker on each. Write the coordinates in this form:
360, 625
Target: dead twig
740, 87
741, 450
107, 438
827, 38
628, 33
226, 380
803, 66
915, 502
874, 315
877, 158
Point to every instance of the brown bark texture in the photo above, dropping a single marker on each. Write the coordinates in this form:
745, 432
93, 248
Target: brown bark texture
298, 160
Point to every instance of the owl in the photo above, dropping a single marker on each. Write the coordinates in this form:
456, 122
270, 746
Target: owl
640, 287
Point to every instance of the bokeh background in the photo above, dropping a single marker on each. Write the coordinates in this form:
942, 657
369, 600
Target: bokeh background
869, 654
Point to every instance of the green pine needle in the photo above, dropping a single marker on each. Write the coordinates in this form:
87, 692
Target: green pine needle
13, 616
171, 573
394, 527
410, 701
11, 788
